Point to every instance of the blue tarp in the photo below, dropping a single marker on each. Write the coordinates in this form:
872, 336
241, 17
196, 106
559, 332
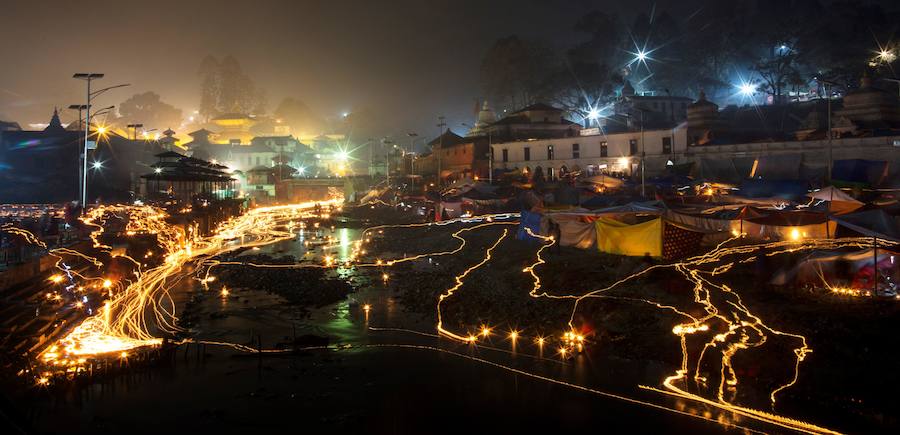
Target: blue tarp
531, 221
756, 188
871, 172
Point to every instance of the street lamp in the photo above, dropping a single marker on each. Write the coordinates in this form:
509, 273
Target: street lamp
80, 108
829, 134
643, 148
89, 77
134, 128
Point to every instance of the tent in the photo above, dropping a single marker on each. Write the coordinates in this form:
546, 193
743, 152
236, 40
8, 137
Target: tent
616, 237
839, 202
822, 268
574, 231
529, 221
790, 225
872, 223
606, 181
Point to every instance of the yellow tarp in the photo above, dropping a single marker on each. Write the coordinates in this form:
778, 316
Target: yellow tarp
616, 237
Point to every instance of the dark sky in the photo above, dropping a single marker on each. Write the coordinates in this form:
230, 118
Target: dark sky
409, 61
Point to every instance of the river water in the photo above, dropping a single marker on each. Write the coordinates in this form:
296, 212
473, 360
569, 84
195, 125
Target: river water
383, 372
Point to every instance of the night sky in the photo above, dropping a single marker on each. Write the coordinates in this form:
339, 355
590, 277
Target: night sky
408, 61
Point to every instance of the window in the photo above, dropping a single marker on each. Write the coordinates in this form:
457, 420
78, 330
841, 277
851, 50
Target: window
632, 147
550, 173
505, 155
604, 149
257, 160
527, 152
576, 151
549, 152
667, 145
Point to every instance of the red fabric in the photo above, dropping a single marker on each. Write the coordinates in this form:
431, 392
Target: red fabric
679, 242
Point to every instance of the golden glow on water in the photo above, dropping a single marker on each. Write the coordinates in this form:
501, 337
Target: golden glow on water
725, 328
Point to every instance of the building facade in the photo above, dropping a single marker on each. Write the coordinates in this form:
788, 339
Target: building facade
616, 153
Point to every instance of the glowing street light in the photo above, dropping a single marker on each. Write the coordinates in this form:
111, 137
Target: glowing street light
746, 89
97, 165
886, 56
342, 156
641, 55
593, 114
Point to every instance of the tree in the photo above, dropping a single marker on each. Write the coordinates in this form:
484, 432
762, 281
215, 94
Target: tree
298, 115
513, 70
148, 109
225, 88
209, 88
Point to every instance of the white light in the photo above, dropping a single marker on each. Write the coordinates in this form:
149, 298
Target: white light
301, 170
345, 114
623, 161
341, 156
746, 89
641, 55
157, 170
593, 114
97, 165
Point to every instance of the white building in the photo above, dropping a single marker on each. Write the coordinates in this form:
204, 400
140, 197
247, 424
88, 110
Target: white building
594, 152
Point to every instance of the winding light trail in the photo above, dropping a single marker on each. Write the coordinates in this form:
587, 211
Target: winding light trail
727, 328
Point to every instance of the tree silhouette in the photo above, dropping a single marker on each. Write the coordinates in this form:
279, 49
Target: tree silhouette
147, 108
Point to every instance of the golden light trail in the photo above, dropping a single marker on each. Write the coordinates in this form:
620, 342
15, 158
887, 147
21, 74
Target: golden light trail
727, 326
122, 324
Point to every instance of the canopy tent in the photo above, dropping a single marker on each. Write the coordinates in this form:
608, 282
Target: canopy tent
605, 181
645, 207
713, 220
829, 268
615, 237
839, 202
448, 210
872, 223
790, 225
573, 230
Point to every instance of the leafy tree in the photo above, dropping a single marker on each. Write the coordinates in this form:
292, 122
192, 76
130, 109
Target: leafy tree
225, 88
513, 70
148, 109
298, 115
209, 88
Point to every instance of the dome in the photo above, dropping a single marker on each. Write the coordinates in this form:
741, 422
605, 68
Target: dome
486, 115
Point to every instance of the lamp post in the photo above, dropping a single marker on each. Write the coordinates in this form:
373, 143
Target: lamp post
440, 127
643, 148
88, 77
134, 128
80, 108
829, 134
